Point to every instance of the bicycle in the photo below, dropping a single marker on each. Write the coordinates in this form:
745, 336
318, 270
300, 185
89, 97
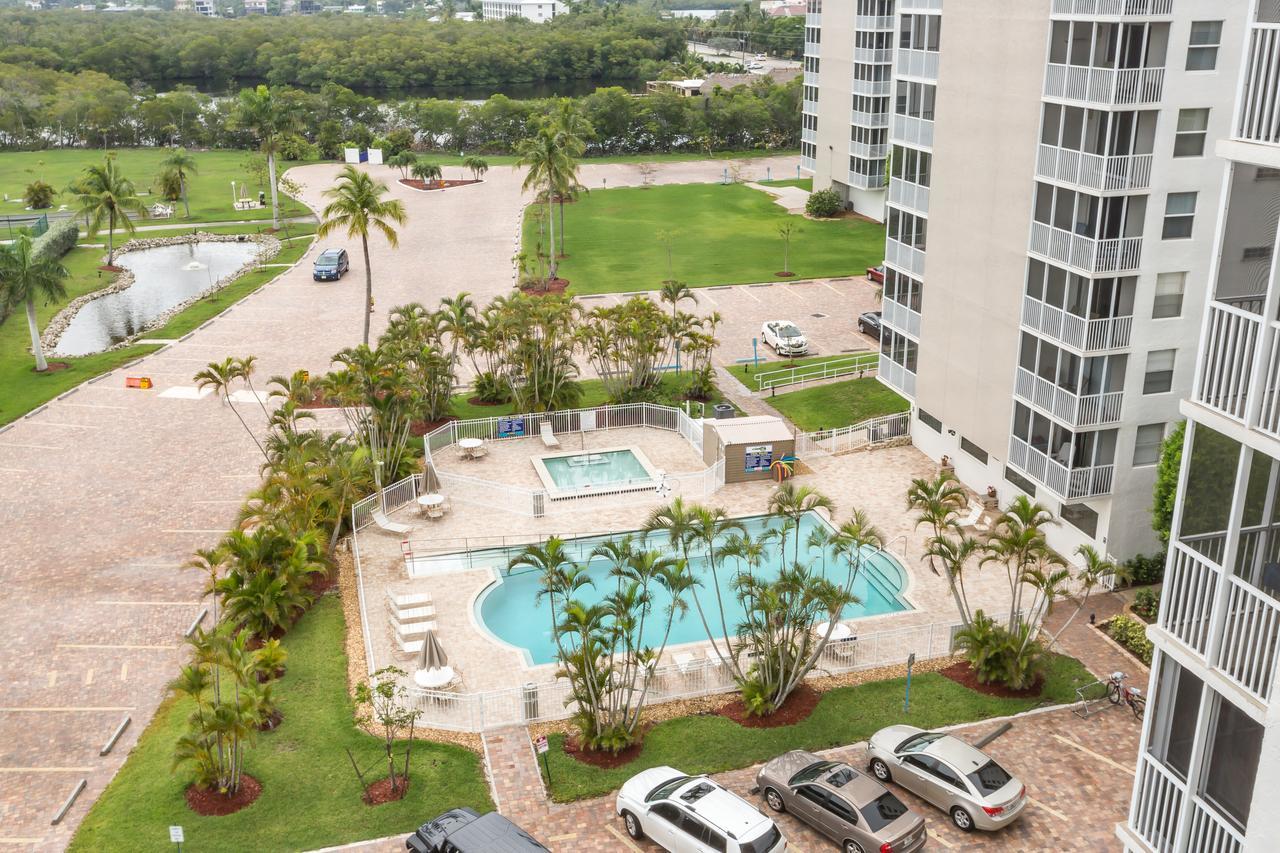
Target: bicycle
1118, 692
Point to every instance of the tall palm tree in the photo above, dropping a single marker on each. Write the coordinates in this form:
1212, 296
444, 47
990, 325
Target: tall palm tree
181, 164
791, 503
220, 376
675, 292
358, 206
573, 130
105, 195
265, 114
937, 502
457, 316
1018, 542
550, 167
26, 276
1093, 573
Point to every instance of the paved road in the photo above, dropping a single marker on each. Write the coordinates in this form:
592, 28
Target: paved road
108, 490
770, 62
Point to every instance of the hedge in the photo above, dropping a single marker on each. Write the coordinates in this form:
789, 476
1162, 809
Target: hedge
58, 240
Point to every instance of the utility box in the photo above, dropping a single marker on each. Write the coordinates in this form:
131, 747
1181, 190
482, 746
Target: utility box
724, 411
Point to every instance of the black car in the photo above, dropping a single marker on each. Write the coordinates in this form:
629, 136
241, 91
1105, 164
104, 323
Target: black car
869, 324
464, 831
331, 265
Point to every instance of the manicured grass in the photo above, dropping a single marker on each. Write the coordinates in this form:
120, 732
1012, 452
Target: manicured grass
838, 404
310, 796
711, 743
803, 183
593, 394
746, 373
443, 159
209, 191
720, 235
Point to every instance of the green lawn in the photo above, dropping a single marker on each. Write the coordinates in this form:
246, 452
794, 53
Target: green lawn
209, 190
711, 743
310, 796
720, 235
746, 373
444, 159
593, 394
805, 184
838, 404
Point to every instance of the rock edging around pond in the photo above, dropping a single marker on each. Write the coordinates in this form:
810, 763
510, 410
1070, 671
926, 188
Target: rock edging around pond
268, 247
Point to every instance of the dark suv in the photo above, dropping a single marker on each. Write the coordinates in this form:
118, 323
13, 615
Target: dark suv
464, 831
331, 265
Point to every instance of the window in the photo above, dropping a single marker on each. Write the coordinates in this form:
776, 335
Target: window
841, 809
929, 420
812, 794
667, 812
1202, 53
1081, 518
989, 778
1159, 376
1193, 125
1231, 761
883, 811
1146, 445
949, 776
973, 450
1179, 211
1256, 253
1170, 286
1173, 724
1020, 481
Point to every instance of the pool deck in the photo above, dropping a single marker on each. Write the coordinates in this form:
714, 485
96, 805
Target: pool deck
874, 481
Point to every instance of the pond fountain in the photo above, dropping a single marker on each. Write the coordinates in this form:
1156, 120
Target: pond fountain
164, 278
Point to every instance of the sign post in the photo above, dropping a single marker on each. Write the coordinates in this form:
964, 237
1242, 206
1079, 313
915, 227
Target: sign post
540, 744
755, 354
906, 702
176, 836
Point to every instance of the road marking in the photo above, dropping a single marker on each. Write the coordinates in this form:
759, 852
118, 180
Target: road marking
96, 406
1093, 754
88, 677
749, 293
46, 769
1059, 815
15, 470
21, 841
68, 426
29, 446
196, 530
108, 646
832, 289
626, 841
938, 838
53, 677
124, 671
155, 603
63, 710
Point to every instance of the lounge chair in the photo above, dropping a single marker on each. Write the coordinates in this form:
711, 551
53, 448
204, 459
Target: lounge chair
548, 437
975, 513
685, 661
403, 600
380, 519
414, 630
421, 613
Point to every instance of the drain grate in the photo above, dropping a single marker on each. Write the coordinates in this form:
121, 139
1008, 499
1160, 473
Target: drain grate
819, 315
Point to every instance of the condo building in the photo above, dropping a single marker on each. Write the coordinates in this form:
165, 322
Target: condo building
1051, 210
1209, 762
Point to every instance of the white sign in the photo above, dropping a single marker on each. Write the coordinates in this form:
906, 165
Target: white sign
375, 156
351, 155
175, 834
757, 457
541, 744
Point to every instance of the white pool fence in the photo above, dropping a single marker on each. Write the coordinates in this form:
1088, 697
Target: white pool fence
866, 434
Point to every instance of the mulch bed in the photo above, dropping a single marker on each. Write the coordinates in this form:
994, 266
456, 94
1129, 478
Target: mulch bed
797, 708
318, 402
213, 804
785, 274
53, 367
110, 268
476, 401
380, 792
418, 429
597, 758
271, 723
551, 286
322, 582
962, 673
434, 185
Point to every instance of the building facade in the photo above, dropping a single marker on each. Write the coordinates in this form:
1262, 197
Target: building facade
848, 70
1209, 763
1050, 216
537, 11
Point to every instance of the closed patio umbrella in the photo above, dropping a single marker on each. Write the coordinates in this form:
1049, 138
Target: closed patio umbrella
432, 655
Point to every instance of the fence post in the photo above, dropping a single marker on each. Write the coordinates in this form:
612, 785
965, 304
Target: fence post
931, 624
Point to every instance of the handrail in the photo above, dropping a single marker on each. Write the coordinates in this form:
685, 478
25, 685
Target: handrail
828, 369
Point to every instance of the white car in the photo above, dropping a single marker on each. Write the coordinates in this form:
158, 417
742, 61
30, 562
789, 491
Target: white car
784, 337
694, 814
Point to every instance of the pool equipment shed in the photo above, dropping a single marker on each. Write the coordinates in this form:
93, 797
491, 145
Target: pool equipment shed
748, 445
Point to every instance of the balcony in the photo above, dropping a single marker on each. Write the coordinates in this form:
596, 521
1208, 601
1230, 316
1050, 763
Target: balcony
1104, 86
1250, 631
1075, 410
866, 182
1123, 173
904, 257
811, 78
813, 19
1225, 371
873, 56
875, 22
901, 317
872, 88
1259, 119
1191, 584
1067, 483
1112, 8
1158, 808
1085, 254
808, 135
808, 164
868, 152
912, 131
910, 196
896, 377
876, 120
920, 6
1104, 333
918, 63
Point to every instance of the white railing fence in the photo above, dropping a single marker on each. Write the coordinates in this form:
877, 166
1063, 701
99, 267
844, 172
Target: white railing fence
861, 364
868, 433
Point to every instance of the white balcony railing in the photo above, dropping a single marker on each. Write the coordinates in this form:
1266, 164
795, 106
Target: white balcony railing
1186, 605
1077, 410
919, 5
876, 120
866, 182
1157, 807
917, 63
872, 88
1085, 253
897, 377
808, 134
1210, 832
1068, 483
1105, 174
912, 131
808, 164
868, 152
813, 19
1250, 632
1106, 86
875, 22
1259, 118
873, 55
811, 78
1071, 329
904, 257
901, 317
1268, 420
908, 195
1225, 369
1113, 8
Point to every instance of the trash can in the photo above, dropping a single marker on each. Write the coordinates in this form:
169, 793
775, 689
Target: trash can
723, 411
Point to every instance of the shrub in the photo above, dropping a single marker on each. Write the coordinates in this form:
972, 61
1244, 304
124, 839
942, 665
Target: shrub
58, 240
1165, 491
1145, 568
823, 203
999, 656
1131, 634
1146, 603
170, 185
491, 389
38, 195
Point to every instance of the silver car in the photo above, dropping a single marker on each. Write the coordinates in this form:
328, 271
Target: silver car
847, 806
953, 775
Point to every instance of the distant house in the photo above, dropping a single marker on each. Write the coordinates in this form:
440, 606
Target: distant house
35, 5
683, 88
255, 7
537, 11
785, 10
706, 85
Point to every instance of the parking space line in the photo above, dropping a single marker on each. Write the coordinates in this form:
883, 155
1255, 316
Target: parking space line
1069, 742
124, 671
96, 406
21, 840
68, 426
32, 709
749, 293
91, 646
28, 446
938, 838
1059, 815
153, 603
53, 678
832, 289
88, 677
626, 841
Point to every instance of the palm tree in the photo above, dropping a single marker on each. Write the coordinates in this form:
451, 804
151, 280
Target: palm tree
425, 171
791, 503
358, 207
937, 502
1092, 574
1018, 542
572, 129
104, 194
181, 164
220, 376
551, 167
476, 166
262, 112
457, 316
26, 276
675, 292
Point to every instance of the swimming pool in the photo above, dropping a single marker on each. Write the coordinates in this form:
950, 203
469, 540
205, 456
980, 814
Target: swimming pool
585, 470
511, 611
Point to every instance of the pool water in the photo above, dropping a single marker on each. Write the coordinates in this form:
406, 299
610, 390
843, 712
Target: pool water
512, 611
608, 467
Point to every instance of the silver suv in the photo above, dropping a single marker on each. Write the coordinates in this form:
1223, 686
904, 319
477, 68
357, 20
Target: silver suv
953, 775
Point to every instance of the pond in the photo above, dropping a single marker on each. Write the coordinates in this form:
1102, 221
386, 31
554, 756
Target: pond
164, 277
